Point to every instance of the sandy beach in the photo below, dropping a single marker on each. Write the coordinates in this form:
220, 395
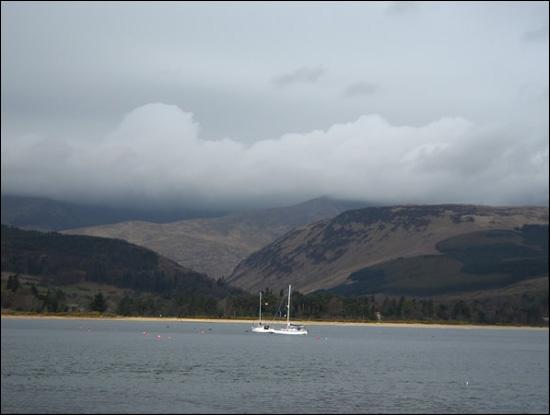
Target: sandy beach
307, 323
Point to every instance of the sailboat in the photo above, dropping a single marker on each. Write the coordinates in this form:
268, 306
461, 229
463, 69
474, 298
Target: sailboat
293, 329
261, 327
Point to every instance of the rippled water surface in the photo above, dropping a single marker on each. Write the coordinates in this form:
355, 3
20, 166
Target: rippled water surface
89, 366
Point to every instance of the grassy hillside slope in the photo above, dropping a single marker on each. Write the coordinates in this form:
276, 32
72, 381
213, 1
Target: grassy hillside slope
324, 254
215, 246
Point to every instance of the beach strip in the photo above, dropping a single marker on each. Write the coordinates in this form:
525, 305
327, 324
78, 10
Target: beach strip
304, 322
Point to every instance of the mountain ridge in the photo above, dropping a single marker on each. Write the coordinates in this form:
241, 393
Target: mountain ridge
215, 246
46, 214
73, 260
323, 254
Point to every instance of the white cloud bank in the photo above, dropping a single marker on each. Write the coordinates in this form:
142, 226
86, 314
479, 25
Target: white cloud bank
156, 156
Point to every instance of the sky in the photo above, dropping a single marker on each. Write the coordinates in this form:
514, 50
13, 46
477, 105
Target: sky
258, 104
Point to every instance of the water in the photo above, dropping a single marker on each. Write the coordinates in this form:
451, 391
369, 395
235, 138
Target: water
87, 366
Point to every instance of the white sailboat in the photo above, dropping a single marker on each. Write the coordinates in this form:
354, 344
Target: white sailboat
292, 329
261, 327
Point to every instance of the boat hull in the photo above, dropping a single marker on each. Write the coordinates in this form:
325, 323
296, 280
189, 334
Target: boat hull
290, 332
261, 329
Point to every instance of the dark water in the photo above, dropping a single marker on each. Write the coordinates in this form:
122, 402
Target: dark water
86, 366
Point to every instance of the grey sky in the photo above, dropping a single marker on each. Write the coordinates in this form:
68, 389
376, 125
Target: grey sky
259, 75
307, 75
359, 89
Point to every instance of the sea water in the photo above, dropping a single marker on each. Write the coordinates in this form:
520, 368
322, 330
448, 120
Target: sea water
113, 366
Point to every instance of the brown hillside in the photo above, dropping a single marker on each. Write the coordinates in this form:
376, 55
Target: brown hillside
322, 255
214, 246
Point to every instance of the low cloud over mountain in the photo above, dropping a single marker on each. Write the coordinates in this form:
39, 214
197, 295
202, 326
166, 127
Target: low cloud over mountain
156, 154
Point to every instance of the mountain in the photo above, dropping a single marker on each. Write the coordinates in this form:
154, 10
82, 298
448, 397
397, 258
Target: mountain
481, 260
67, 259
51, 215
57, 273
215, 246
52, 272
415, 250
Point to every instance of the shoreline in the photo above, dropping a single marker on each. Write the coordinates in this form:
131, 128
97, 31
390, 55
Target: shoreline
252, 321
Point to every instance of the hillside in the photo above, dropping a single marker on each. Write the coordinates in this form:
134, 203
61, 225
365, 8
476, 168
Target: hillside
215, 246
482, 260
51, 272
68, 260
45, 214
381, 243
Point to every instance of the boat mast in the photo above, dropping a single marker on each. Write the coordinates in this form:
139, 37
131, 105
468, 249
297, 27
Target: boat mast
288, 308
260, 307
